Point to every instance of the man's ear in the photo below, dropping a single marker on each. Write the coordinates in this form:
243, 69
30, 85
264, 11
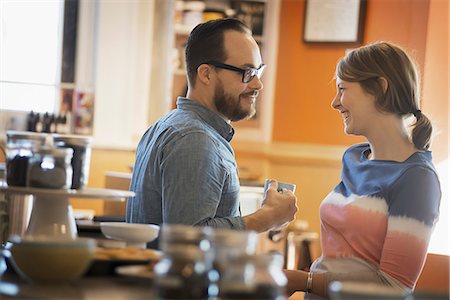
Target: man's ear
204, 74
384, 84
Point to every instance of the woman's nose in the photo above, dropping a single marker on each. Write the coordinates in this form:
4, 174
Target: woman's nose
335, 103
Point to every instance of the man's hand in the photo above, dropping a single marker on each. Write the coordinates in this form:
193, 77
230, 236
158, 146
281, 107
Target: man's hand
279, 209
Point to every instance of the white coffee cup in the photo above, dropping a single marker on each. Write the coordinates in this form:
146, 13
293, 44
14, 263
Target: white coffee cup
281, 185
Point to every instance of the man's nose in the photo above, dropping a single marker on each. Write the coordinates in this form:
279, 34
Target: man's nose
256, 83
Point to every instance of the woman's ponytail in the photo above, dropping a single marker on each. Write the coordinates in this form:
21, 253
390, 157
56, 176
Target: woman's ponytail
421, 133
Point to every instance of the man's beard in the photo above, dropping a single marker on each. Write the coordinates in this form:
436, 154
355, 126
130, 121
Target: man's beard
230, 107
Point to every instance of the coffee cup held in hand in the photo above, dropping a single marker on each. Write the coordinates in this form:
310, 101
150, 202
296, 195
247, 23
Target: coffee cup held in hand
281, 185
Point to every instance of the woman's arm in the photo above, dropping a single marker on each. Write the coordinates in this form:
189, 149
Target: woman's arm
297, 281
413, 210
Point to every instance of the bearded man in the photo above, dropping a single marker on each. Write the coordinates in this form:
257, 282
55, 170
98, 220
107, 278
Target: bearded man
185, 171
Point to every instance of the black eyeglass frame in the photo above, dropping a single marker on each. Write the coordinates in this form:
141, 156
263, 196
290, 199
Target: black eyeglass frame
249, 72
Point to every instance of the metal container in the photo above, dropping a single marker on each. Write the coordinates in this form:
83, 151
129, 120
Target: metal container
81, 146
19, 211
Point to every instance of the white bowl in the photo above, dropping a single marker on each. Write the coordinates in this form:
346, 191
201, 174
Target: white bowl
130, 232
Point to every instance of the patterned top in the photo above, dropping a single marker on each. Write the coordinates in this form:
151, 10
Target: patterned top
381, 216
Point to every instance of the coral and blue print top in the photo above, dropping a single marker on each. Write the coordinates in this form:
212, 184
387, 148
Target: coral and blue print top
382, 212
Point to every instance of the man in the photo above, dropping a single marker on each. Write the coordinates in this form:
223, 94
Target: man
185, 171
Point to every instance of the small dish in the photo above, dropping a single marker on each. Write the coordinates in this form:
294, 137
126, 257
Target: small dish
132, 233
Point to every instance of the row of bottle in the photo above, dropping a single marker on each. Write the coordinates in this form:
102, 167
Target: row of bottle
49, 123
205, 263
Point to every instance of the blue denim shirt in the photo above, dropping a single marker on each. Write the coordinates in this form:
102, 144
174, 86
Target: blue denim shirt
185, 171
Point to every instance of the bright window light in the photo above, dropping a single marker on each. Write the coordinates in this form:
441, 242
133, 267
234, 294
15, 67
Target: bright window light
440, 240
30, 54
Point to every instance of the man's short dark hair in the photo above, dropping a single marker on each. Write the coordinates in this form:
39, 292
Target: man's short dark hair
206, 43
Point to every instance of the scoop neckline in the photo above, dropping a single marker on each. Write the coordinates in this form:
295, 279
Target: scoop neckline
366, 152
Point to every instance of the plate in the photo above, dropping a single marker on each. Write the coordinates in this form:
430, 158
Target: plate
139, 271
107, 260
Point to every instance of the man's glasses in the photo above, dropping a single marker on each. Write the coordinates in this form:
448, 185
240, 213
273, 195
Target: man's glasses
247, 74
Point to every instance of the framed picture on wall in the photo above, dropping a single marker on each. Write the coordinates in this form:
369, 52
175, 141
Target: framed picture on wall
334, 21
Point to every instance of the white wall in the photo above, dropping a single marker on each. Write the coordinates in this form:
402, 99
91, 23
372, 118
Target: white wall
122, 81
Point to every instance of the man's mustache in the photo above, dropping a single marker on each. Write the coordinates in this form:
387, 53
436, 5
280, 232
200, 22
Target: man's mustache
254, 93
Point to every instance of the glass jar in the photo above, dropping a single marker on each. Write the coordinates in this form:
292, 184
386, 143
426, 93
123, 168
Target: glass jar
253, 277
183, 273
20, 146
227, 243
178, 234
81, 146
50, 168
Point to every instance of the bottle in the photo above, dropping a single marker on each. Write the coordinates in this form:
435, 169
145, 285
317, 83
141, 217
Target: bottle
32, 120
46, 123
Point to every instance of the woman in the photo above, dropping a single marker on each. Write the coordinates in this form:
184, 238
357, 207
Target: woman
377, 222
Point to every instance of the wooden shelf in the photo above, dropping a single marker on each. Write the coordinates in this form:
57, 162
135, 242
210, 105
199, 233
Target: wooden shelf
85, 193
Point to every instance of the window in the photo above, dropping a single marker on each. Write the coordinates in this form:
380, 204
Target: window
440, 238
30, 54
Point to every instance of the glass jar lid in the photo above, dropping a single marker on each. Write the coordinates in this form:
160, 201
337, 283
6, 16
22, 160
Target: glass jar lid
235, 238
183, 252
184, 233
15, 135
55, 152
71, 139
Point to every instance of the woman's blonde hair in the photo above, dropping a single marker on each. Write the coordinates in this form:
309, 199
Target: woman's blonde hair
367, 65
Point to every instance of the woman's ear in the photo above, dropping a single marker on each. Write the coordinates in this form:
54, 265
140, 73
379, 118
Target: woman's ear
204, 74
384, 84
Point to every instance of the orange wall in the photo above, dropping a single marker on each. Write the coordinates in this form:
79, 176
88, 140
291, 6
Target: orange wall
436, 85
304, 85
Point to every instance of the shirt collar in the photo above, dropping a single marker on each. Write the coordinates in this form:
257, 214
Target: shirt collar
212, 118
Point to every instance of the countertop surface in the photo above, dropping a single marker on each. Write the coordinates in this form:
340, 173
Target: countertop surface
89, 287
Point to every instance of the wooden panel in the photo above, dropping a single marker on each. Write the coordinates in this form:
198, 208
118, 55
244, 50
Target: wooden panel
118, 181
435, 275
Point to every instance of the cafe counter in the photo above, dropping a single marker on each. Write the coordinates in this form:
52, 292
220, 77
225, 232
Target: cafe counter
89, 287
